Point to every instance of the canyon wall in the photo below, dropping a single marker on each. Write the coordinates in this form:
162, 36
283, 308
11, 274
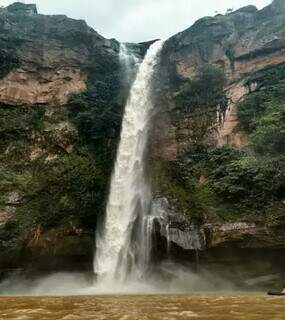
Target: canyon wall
200, 129
243, 43
61, 101
62, 94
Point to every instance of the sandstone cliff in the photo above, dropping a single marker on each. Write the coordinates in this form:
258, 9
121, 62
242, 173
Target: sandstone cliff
50, 54
242, 43
44, 61
247, 45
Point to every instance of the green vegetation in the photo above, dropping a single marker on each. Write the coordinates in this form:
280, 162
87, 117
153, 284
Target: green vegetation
15, 120
58, 160
8, 60
262, 113
97, 113
199, 100
68, 189
225, 183
190, 197
211, 183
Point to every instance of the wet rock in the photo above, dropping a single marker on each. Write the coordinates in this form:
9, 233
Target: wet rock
244, 235
174, 228
189, 238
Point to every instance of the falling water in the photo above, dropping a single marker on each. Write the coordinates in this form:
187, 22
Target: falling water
129, 62
129, 198
147, 234
168, 239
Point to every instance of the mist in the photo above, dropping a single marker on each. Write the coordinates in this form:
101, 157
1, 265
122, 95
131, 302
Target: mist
169, 278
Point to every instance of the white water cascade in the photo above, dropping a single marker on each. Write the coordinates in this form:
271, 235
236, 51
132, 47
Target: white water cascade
129, 62
118, 255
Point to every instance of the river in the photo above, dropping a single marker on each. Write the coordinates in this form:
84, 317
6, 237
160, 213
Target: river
144, 307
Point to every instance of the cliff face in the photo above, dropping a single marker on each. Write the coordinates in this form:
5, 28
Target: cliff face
44, 61
49, 56
62, 93
242, 43
208, 156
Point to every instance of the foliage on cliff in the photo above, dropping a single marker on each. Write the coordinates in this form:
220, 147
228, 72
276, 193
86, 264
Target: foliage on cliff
262, 113
214, 183
56, 161
52, 184
200, 100
97, 115
97, 112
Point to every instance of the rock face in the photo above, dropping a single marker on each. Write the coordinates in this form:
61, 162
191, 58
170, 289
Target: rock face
43, 61
51, 55
244, 235
242, 43
248, 255
21, 8
175, 229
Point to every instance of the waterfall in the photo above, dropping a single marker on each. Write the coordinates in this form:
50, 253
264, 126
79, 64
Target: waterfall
146, 237
117, 254
168, 239
129, 62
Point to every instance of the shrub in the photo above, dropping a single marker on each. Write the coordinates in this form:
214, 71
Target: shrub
71, 189
202, 98
205, 92
269, 135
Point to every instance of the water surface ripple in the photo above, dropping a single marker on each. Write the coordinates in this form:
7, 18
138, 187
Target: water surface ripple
143, 307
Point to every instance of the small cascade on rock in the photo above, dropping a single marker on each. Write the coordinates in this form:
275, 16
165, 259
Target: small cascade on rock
147, 235
168, 239
123, 247
175, 230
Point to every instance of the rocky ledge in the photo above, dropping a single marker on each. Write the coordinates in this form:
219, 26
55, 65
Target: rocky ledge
175, 229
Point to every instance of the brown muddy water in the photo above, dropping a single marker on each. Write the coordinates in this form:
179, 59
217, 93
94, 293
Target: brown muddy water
144, 307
